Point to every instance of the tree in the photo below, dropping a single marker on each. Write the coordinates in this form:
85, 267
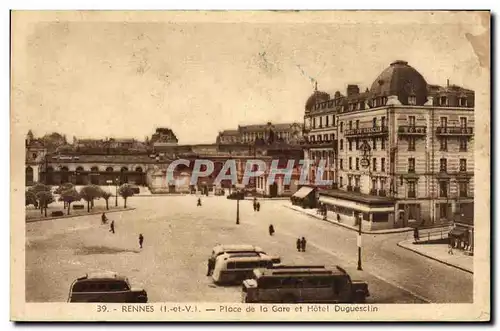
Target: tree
64, 187
97, 194
44, 199
37, 188
106, 195
69, 196
89, 193
125, 191
31, 199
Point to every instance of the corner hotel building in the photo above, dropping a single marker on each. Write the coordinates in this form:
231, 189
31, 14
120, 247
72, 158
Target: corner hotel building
400, 153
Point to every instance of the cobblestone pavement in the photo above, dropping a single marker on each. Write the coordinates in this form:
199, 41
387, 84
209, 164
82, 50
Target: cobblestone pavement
179, 237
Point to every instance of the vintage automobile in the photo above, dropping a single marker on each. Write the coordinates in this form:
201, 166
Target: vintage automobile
105, 287
303, 284
239, 195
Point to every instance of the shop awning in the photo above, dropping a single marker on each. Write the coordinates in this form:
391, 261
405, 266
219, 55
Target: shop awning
303, 192
457, 232
365, 208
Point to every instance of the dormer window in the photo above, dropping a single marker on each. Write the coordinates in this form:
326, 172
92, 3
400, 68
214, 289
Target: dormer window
462, 102
443, 101
412, 100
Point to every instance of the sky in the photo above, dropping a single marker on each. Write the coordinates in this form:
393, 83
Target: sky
123, 78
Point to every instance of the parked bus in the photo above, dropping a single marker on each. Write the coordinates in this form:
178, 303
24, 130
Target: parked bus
302, 284
233, 268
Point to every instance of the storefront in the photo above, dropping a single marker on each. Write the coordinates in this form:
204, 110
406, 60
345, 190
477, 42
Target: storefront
344, 207
305, 197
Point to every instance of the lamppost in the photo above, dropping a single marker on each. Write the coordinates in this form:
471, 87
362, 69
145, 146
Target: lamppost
116, 195
238, 209
360, 220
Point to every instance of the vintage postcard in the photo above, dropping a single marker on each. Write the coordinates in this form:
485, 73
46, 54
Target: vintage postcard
250, 166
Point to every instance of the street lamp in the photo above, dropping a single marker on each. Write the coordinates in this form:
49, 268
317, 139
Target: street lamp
116, 195
360, 220
238, 209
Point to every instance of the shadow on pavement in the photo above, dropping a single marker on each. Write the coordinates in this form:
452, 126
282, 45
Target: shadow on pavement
92, 250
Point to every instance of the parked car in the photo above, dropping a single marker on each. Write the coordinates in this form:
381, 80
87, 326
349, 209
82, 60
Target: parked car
105, 287
239, 195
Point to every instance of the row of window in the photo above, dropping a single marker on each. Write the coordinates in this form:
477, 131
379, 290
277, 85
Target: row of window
374, 123
463, 188
374, 164
443, 165
373, 146
443, 121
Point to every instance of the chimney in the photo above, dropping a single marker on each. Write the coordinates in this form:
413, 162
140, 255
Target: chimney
352, 90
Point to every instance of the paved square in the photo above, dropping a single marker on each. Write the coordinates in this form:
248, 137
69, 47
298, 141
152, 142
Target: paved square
179, 237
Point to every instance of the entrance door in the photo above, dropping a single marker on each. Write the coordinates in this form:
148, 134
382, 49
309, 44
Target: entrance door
273, 190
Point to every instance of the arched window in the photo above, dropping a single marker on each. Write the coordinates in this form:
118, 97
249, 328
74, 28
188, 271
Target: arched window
29, 175
94, 169
79, 168
123, 169
109, 169
138, 169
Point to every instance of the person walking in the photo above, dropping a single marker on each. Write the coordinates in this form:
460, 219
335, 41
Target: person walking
104, 219
258, 206
303, 243
141, 240
199, 202
112, 227
271, 230
299, 245
416, 235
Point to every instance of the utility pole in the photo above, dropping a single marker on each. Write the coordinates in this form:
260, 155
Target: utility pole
360, 220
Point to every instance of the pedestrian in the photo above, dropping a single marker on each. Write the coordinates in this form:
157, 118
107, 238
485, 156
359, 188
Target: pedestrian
104, 219
199, 202
416, 235
299, 245
112, 227
303, 243
141, 240
258, 206
450, 246
211, 266
271, 230
338, 217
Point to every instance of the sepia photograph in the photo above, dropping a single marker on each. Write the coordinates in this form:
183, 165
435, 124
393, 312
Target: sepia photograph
250, 165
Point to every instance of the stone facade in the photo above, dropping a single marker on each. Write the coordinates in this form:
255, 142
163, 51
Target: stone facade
397, 141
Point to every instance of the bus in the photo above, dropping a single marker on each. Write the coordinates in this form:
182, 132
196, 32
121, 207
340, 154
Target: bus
233, 268
303, 284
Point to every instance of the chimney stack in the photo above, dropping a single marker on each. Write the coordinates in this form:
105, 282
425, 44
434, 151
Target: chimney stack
352, 90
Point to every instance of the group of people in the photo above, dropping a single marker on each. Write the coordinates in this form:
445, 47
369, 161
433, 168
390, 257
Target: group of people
104, 220
301, 244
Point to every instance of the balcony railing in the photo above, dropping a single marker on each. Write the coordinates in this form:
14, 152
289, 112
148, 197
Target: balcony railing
454, 131
382, 193
373, 192
357, 189
349, 188
412, 130
412, 194
363, 132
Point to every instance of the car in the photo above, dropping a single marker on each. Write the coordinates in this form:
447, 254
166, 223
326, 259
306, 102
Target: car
240, 195
105, 287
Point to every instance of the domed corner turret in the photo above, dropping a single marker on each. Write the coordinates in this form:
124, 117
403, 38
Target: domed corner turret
316, 97
403, 81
